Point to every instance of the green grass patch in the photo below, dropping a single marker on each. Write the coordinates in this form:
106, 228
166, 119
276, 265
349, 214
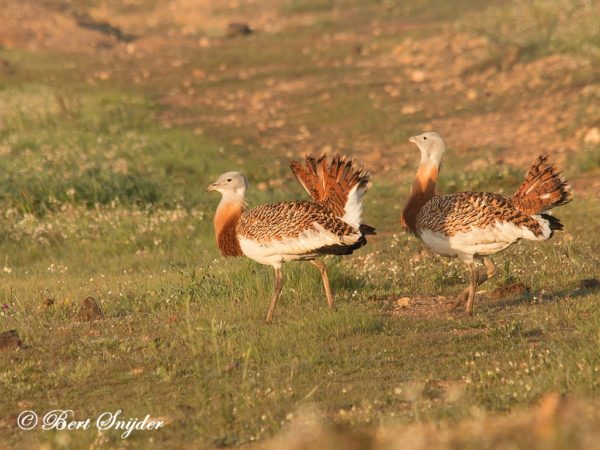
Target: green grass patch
536, 28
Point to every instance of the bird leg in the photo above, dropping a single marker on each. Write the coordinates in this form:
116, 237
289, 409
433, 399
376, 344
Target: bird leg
490, 268
276, 293
482, 277
460, 298
323, 269
474, 278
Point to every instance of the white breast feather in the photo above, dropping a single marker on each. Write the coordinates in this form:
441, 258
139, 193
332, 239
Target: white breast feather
289, 249
482, 241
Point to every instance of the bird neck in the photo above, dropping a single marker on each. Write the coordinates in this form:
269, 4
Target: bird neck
227, 216
423, 189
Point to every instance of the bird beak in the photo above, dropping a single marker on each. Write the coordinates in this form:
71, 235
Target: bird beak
412, 139
212, 187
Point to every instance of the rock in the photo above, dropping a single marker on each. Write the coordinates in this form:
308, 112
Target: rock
90, 310
199, 74
85, 21
235, 364
103, 75
403, 302
173, 318
238, 29
262, 186
6, 67
136, 371
546, 414
589, 283
418, 76
592, 136
472, 94
9, 340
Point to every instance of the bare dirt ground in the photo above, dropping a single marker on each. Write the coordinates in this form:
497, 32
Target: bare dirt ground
443, 306
444, 79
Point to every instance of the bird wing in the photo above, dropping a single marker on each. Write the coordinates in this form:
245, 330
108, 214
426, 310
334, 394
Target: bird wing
468, 211
293, 228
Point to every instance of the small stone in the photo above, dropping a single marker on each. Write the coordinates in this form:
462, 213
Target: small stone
509, 290
592, 136
472, 94
262, 186
238, 29
233, 365
418, 76
589, 283
90, 310
173, 318
199, 74
6, 67
409, 109
9, 340
403, 302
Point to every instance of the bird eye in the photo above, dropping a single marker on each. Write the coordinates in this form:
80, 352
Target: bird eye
424, 138
229, 180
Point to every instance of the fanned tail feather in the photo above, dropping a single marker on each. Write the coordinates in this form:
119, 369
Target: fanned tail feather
542, 189
339, 185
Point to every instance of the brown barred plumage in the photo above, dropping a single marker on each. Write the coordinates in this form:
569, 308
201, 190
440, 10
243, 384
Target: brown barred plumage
455, 213
287, 220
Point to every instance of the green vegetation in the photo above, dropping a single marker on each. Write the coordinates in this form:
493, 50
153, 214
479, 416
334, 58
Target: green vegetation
589, 159
535, 28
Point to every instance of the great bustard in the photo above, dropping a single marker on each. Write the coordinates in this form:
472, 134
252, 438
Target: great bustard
475, 225
288, 231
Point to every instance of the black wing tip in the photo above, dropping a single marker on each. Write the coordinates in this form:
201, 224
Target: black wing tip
554, 222
341, 249
367, 230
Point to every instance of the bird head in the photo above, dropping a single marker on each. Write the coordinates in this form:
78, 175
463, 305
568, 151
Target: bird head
230, 184
431, 145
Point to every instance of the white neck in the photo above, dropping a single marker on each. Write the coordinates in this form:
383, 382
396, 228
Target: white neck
431, 160
229, 197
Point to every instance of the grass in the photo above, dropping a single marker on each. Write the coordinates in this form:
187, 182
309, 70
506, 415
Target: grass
537, 28
589, 159
102, 193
